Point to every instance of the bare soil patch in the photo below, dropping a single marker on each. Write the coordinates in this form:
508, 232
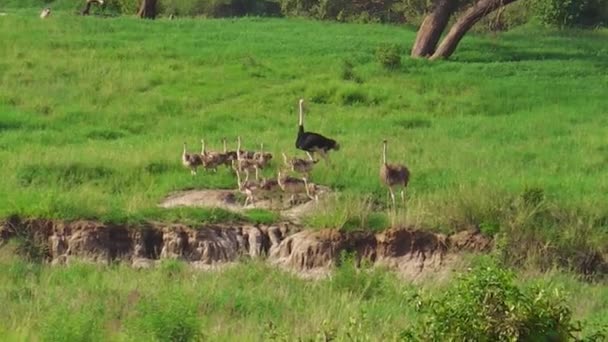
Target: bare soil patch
233, 200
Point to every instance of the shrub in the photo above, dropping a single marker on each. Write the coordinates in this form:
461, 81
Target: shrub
389, 56
125, 6
487, 305
347, 72
73, 324
169, 316
364, 282
567, 13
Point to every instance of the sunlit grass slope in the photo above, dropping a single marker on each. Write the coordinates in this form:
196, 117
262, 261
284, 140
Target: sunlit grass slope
93, 112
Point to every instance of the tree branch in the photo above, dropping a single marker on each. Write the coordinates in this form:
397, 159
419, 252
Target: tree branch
479, 10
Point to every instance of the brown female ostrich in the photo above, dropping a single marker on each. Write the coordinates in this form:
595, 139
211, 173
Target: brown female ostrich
393, 175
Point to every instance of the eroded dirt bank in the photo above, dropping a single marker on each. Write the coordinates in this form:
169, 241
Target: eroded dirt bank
312, 252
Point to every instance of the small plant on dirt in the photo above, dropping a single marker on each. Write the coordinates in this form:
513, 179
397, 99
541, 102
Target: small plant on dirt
487, 305
389, 56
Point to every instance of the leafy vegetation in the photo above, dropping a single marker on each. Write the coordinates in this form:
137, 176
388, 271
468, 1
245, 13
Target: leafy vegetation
487, 305
251, 302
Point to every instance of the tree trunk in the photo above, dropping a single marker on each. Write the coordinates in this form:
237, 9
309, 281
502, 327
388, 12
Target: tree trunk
147, 9
479, 10
432, 27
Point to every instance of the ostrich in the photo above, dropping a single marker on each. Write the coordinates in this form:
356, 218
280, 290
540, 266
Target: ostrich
87, 8
295, 186
45, 13
313, 142
298, 165
211, 160
244, 164
263, 158
393, 175
252, 189
228, 156
191, 160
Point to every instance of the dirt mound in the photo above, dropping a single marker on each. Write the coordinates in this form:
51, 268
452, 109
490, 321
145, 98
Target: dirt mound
226, 199
232, 200
308, 252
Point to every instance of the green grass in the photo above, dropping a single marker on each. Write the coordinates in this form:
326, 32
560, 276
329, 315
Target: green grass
94, 111
246, 302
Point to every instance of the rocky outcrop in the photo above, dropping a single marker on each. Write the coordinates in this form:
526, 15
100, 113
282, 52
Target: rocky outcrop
407, 250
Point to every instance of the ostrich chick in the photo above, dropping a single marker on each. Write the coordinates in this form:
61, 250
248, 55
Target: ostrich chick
393, 175
295, 186
253, 189
45, 13
191, 160
211, 160
244, 164
263, 158
298, 165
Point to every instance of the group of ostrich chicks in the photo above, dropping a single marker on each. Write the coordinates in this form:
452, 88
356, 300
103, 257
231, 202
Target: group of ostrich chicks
243, 162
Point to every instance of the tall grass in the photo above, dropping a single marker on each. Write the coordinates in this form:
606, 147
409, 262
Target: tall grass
249, 301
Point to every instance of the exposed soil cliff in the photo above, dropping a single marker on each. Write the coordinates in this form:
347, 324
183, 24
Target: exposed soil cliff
306, 251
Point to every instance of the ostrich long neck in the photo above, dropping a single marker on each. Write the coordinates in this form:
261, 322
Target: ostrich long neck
184, 153
238, 149
301, 123
384, 154
203, 149
225, 148
238, 180
281, 184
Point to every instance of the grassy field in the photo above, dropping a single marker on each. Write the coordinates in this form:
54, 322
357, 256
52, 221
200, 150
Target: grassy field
94, 111
247, 302
509, 136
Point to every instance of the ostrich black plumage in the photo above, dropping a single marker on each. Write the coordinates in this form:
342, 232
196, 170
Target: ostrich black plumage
313, 142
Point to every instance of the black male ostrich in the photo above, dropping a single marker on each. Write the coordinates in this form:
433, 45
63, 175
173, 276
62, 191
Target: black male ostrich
313, 142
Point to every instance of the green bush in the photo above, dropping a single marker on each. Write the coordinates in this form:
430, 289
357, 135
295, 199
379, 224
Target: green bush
80, 323
568, 13
218, 8
487, 305
125, 6
170, 316
389, 56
